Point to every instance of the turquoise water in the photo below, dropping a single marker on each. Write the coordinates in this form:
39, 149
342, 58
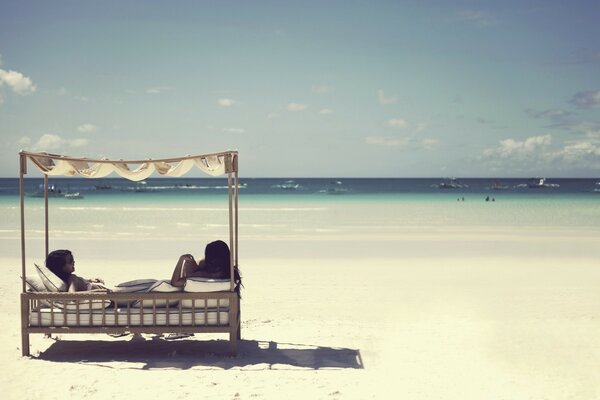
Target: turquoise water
168, 218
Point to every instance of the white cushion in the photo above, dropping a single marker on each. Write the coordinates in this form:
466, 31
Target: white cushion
159, 287
205, 285
35, 284
135, 284
52, 282
196, 284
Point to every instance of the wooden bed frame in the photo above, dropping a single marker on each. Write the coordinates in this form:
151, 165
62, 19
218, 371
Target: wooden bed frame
83, 318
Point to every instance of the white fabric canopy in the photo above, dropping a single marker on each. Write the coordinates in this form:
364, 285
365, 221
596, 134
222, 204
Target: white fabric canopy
56, 165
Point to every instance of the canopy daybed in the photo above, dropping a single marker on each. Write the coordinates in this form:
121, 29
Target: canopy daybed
202, 306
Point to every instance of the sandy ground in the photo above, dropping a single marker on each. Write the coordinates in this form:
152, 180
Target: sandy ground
456, 325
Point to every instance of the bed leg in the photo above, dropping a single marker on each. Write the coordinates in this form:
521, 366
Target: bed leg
233, 343
25, 344
24, 325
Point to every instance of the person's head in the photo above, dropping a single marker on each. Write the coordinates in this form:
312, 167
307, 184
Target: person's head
217, 257
61, 263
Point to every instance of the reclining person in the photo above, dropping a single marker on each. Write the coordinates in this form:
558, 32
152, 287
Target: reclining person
62, 264
216, 264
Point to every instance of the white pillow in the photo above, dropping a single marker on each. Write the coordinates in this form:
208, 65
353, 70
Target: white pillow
159, 287
52, 282
196, 284
35, 284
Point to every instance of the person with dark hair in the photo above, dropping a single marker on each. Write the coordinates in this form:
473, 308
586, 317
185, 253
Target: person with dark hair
62, 264
216, 264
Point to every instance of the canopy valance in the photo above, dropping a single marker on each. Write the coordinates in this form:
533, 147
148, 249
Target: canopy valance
136, 170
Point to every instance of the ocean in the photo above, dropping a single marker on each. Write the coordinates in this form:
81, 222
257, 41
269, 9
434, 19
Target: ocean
166, 215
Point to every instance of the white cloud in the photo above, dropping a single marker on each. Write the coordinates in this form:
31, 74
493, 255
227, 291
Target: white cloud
49, 141
272, 115
429, 144
513, 148
296, 107
387, 141
386, 99
325, 111
322, 89
153, 91
61, 91
81, 98
224, 102
535, 155
52, 142
397, 123
233, 130
402, 142
80, 142
24, 141
19, 83
586, 99
87, 128
480, 19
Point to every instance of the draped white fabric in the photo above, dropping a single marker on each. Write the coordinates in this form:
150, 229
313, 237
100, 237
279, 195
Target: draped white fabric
55, 166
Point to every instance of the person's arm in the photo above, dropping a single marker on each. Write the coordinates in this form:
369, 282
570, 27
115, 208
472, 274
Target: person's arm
183, 268
76, 284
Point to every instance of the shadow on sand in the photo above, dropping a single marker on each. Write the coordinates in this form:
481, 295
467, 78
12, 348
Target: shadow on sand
156, 353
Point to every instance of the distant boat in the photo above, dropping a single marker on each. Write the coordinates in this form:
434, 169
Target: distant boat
142, 187
53, 191
498, 186
540, 183
103, 186
597, 188
288, 185
73, 196
335, 187
451, 183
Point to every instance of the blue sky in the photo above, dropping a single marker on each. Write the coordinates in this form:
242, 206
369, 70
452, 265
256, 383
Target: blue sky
325, 88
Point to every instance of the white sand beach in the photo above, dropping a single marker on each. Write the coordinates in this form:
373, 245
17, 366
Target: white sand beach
377, 320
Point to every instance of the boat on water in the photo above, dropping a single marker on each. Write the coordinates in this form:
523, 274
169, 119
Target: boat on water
335, 187
288, 185
540, 183
597, 188
498, 186
451, 183
73, 196
103, 186
142, 187
53, 191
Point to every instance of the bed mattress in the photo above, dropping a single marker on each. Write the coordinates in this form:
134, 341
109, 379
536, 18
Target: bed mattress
137, 317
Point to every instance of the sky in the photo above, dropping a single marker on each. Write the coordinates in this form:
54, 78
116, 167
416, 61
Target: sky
308, 88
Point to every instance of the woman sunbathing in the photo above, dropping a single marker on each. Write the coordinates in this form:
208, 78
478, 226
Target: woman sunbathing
216, 264
62, 264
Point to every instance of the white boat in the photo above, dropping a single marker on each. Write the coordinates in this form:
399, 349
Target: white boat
288, 185
53, 191
451, 183
335, 187
74, 196
597, 188
540, 183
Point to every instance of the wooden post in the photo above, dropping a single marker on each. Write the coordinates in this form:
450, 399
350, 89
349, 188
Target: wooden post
229, 167
24, 301
234, 322
46, 212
